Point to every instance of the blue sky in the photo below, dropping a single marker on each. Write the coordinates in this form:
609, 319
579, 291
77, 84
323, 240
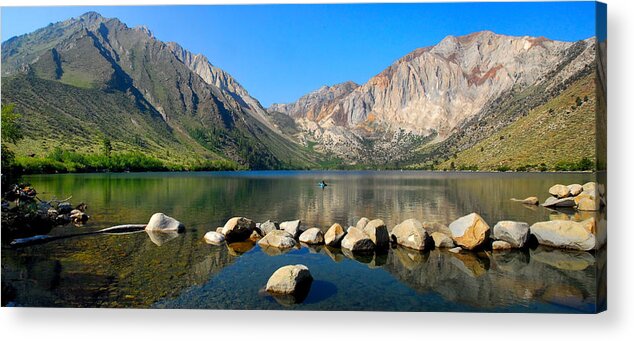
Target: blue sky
280, 52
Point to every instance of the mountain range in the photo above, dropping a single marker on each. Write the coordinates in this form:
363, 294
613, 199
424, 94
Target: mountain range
91, 77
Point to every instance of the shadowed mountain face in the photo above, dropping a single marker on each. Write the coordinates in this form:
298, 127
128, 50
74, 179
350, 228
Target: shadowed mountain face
144, 94
460, 89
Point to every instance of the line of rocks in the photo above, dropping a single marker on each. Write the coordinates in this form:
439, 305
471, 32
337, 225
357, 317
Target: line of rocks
586, 197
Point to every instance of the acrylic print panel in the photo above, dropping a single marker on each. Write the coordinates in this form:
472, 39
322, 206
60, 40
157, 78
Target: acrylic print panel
391, 157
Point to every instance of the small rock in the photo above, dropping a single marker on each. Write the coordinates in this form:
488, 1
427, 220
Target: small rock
575, 189
238, 229
501, 245
434, 226
279, 239
469, 231
442, 240
559, 191
334, 235
513, 232
528, 201
357, 240
289, 280
312, 236
377, 231
362, 222
214, 238
161, 222
269, 226
456, 249
292, 227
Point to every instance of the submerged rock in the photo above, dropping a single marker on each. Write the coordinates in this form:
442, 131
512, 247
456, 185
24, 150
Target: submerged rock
214, 238
238, 229
161, 222
312, 236
279, 239
410, 233
357, 241
334, 235
528, 201
469, 231
513, 232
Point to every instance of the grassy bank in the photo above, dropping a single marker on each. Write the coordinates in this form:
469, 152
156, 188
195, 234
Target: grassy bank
64, 161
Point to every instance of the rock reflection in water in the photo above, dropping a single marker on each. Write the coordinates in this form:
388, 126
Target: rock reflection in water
496, 279
161, 237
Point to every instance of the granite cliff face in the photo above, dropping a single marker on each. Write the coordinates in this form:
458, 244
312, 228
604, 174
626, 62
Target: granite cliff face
428, 94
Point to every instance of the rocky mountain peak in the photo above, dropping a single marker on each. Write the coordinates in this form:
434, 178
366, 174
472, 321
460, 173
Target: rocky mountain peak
91, 17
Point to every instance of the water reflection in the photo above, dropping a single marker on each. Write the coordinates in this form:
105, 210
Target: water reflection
498, 279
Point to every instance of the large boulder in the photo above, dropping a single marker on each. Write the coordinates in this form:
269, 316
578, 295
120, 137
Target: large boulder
377, 231
214, 238
289, 280
442, 240
269, 226
362, 222
410, 233
334, 235
238, 229
513, 232
312, 236
559, 191
357, 241
563, 202
279, 239
161, 222
292, 227
565, 234
469, 231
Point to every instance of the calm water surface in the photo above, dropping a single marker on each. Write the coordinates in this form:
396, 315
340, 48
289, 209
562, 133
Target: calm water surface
181, 271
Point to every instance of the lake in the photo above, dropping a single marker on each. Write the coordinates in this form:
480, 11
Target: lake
182, 271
